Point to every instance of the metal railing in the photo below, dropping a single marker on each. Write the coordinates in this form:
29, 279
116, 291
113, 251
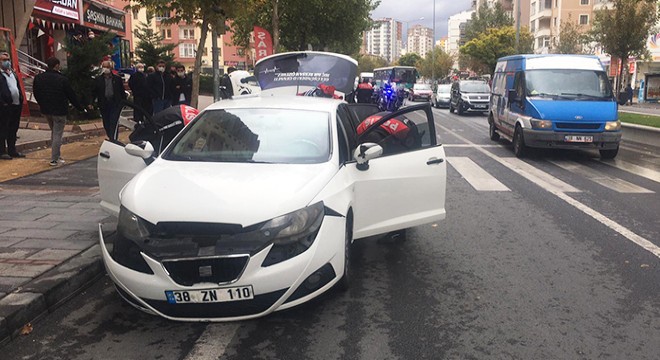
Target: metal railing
30, 67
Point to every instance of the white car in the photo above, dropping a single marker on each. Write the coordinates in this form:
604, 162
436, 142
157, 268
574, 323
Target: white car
254, 205
244, 83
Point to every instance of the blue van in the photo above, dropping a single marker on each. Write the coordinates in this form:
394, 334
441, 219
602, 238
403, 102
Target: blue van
554, 101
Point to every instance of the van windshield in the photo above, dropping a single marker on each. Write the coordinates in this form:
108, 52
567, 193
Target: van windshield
475, 87
568, 84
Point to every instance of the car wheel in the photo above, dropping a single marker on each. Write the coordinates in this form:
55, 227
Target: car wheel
492, 131
519, 148
609, 154
344, 283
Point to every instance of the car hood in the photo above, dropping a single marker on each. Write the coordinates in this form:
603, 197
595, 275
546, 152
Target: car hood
572, 110
236, 193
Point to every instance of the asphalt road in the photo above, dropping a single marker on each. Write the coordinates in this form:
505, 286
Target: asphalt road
553, 257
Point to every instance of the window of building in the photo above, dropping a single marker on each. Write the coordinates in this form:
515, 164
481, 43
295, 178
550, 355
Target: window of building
548, 4
135, 13
162, 15
554, 21
186, 50
532, 8
546, 41
584, 2
166, 33
532, 26
187, 33
584, 19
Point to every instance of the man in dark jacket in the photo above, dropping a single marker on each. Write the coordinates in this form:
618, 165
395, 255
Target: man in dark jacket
141, 94
11, 105
159, 85
53, 93
226, 87
109, 92
181, 87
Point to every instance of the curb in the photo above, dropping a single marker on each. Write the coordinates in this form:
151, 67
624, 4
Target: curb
47, 292
641, 134
84, 130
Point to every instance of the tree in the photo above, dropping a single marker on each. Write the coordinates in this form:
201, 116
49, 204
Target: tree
495, 43
623, 30
409, 59
485, 18
438, 64
150, 47
367, 63
571, 38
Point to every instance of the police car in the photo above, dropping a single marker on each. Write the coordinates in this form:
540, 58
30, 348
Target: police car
254, 205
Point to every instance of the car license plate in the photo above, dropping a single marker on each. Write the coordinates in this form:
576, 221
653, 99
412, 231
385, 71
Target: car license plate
210, 295
578, 138
480, 106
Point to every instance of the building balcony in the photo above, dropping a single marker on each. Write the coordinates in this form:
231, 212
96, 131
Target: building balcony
543, 14
542, 32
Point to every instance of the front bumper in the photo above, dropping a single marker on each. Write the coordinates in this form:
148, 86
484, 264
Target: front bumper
273, 285
442, 101
552, 139
421, 96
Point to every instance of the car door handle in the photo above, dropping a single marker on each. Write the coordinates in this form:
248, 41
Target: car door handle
105, 154
434, 161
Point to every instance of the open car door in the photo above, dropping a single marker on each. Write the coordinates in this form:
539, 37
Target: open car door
405, 186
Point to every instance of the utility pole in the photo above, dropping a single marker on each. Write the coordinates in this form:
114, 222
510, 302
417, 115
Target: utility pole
517, 24
215, 65
433, 50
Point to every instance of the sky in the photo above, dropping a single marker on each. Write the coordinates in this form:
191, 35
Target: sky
411, 10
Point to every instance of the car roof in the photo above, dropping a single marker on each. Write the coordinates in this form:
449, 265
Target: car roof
278, 102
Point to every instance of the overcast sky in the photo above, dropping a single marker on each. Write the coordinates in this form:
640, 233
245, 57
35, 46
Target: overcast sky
411, 10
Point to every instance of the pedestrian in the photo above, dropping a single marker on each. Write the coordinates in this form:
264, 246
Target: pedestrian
11, 105
181, 87
226, 88
141, 95
159, 84
109, 92
53, 93
151, 70
364, 92
629, 93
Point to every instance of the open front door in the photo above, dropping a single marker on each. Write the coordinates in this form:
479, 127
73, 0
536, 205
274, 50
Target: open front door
405, 186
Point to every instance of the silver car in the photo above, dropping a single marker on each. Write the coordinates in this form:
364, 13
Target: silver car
442, 96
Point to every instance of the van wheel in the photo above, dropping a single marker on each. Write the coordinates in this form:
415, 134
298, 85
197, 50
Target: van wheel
609, 154
519, 148
344, 283
492, 131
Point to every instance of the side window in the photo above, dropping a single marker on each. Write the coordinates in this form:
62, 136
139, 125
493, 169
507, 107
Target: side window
407, 131
519, 84
342, 143
347, 120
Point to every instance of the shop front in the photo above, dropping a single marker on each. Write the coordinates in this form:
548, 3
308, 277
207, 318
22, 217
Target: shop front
50, 23
99, 17
649, 72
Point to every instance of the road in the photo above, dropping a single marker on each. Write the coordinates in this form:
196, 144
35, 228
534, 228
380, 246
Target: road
551, 257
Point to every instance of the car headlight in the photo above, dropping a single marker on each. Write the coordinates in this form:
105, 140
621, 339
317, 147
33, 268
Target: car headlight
541, 124
293, 233
465, 97
613, 125
132, 232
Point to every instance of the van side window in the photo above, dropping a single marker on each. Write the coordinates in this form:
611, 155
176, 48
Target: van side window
519, 83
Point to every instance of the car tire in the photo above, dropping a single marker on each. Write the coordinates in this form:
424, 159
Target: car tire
519, 148
492, 130
344, 283
609, 154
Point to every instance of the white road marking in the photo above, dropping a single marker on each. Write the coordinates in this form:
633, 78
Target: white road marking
531, 173
475, 175
213, 342
600, 178
634, 169
467, 145
628, 234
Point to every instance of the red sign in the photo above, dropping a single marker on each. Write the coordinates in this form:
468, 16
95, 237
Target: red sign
631, 65
614, 66
263, 44
67, 9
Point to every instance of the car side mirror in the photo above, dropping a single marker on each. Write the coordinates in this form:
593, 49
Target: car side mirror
244, 80
136, 150
366, 152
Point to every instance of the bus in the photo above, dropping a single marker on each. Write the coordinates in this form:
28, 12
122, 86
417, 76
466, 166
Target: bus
400, 75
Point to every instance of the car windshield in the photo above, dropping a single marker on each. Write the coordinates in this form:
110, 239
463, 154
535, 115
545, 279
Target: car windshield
255, 136
475, 87
572, 84
442, 89
422, 87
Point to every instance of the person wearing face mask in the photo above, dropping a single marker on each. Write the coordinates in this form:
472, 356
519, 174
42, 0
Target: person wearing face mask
11, 105
109, 92
181, 87
141, 95
160, 88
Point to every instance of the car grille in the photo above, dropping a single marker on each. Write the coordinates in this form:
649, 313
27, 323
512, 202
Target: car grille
204, 270
480, 97
259, 304
577, 126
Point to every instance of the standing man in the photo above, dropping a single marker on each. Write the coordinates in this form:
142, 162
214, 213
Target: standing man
141, 95
159, 84
11, 105
629, 92
109, 92
181, 87
364, 92
226, 88
53, 94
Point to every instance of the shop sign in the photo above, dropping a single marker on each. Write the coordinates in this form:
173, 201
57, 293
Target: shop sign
60, 8
95, 16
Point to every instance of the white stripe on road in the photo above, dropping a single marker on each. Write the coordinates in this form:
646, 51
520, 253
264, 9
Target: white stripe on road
475, 175
531, 173
642, 242
213, 342
600, 178
633, 169
467, 145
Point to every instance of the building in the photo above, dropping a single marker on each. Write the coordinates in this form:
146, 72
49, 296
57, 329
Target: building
385, 39
443, 43
420, 40
456, 31
547, 16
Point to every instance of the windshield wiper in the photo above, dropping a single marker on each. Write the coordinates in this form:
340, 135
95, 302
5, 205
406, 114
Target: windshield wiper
584, 95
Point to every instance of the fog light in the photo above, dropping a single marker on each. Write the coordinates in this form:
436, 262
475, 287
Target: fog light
315, 281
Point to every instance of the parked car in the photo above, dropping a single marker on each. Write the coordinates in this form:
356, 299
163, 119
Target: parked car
554, 101
420, 91
253, 207
244, 83
442, 95
469, 95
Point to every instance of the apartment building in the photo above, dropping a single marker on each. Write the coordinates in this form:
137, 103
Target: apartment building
385, 39
420, 40
546, 18
456, 31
